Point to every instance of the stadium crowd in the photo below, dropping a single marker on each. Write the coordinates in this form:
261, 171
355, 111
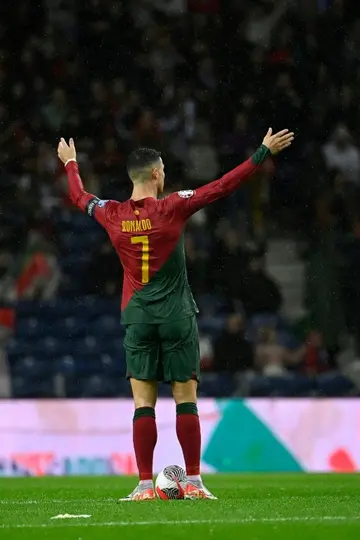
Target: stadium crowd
201, 82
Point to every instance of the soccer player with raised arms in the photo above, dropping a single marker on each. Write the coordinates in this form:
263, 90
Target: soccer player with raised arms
158, 309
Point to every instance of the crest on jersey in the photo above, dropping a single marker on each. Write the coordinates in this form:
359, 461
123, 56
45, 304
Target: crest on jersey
186, 194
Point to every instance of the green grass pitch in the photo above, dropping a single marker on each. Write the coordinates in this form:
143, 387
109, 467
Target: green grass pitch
257, 507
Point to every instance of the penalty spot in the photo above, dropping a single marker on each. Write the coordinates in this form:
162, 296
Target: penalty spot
71, 516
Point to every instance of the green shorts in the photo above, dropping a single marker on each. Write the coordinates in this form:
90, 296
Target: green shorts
164, 352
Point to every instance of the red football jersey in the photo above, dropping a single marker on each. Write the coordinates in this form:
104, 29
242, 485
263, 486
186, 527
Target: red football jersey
148, 237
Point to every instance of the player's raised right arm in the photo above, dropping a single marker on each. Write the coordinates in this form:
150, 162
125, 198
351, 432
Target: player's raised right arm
87, 202
227, 184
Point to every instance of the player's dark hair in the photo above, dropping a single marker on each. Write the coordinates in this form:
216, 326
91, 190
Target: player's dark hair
142, 158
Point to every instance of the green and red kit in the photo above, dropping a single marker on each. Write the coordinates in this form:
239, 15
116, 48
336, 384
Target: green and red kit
148, 237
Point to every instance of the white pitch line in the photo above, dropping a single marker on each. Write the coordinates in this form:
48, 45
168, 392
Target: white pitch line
240, 521
56, 501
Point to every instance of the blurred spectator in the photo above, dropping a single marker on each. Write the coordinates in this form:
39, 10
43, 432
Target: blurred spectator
197, 265
206, 352
203, 165
262, 20
274, 358
5, 381
324, 291
35, 272
352, 283
315, 357
238, 143
204, 6
232, 352
55, 113
231, 258
171, 7
271, 358
104, 272
147, 132
341, 202
286, 100
342, 154
258, 292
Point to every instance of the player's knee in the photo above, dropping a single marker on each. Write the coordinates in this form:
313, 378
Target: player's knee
185, 392
144, 393
141, 403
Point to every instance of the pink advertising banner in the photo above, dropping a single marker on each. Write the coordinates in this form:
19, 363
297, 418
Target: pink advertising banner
94, 437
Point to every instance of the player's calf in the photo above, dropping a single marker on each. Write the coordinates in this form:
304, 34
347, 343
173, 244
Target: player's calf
188, 426
144, 428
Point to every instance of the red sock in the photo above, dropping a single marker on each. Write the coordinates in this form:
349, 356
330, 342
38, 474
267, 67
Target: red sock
144, 437
189, 435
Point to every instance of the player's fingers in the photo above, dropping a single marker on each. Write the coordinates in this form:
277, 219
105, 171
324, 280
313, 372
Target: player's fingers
281, 133
286, 140
269, 133
286, 137
72, 145
286, 144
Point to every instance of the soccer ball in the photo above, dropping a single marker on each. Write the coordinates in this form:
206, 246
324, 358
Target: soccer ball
171, 482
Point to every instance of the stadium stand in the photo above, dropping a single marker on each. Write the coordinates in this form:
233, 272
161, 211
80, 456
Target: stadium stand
202, 87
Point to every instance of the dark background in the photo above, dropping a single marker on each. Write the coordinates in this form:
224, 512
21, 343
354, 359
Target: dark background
274, 268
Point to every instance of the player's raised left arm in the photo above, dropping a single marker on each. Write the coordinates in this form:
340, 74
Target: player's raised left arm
87, 202
227, 184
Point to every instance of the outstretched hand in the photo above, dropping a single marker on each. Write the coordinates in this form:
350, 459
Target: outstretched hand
279, 141
66, 151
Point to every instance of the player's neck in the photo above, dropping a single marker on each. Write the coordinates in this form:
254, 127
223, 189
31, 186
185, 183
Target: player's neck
144, 191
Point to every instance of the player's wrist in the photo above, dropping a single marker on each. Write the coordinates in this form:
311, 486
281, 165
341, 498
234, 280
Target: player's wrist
261, 154
69, 161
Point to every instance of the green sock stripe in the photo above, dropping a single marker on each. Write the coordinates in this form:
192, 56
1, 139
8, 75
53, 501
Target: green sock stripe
186, 408
144, 411
260, 155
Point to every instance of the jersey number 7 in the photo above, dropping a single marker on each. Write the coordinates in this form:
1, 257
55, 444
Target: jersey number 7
145, 256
